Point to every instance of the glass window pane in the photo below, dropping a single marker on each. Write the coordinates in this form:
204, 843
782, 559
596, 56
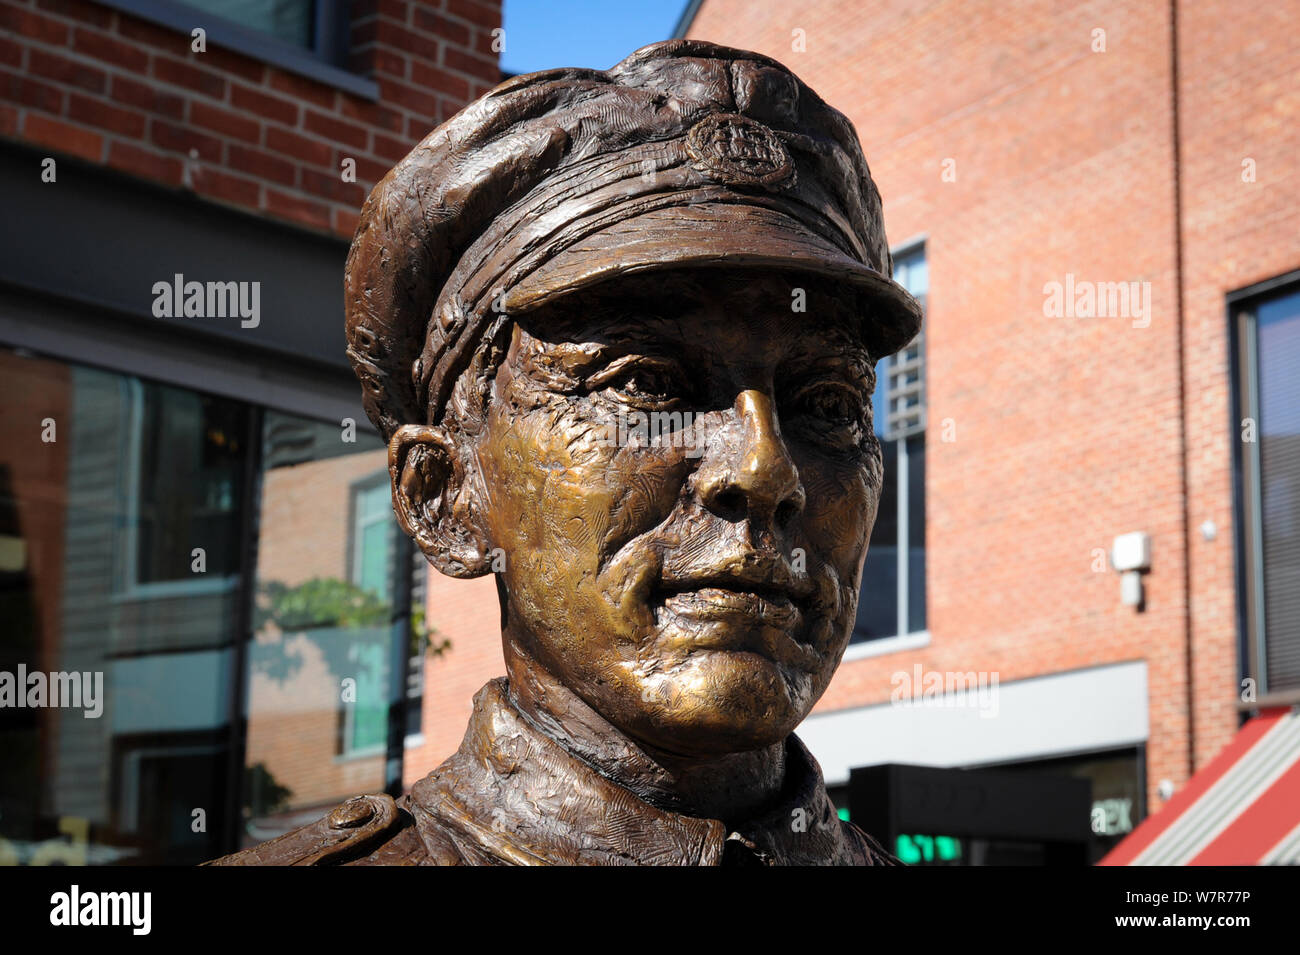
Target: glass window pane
368, 723
916, 533
119, 552
191, 492
288, 20
1279, 463
912, 271
878, 600
375, 501
374, 558
880, 398
917, 279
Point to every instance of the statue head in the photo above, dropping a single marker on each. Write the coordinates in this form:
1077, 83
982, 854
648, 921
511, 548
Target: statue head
619, 329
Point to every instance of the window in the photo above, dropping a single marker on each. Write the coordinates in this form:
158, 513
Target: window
1267, 339
365, 714
185, 489
287, 20
372, 535
365, 721
892, 601
415, 666
307, 37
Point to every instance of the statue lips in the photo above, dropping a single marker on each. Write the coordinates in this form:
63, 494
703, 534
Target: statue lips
760, 609
720, 603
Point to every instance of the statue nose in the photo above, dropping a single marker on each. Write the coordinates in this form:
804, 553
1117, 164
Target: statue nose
750, 472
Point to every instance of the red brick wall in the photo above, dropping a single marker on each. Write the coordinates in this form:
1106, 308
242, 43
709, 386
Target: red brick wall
1068, 431
1239, 98
85, 80
467, 613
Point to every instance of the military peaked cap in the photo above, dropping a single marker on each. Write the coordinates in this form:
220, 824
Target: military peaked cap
685, 154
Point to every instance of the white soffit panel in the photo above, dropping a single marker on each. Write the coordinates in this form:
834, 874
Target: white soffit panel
1078, 711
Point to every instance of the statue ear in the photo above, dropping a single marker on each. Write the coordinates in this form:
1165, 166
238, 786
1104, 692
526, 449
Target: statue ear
428, 475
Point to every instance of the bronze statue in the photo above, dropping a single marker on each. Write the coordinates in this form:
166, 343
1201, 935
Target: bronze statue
619, 329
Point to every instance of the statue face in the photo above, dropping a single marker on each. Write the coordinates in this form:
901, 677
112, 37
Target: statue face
697, 588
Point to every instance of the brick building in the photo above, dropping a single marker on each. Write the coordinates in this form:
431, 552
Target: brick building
1017, 146
250, 121
192, 504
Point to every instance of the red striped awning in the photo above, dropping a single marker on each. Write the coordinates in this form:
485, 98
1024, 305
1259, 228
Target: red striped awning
1241, 809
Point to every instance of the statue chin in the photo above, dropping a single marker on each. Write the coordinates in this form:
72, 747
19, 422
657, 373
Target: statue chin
719, 703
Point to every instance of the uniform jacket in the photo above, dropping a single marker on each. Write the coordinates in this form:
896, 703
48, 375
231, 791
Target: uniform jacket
530, 802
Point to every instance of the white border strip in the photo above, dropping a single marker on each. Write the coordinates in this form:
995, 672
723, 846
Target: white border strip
1286, 852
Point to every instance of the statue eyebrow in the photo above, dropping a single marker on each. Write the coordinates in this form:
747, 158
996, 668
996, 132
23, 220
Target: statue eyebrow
591, 359
610, 327
846, 363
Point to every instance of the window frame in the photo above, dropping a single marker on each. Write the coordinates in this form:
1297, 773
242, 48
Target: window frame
1241, 327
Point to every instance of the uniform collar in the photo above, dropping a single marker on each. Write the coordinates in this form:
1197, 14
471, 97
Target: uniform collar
511, 794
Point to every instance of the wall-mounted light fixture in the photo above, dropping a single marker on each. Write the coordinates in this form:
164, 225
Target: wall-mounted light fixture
1130, 554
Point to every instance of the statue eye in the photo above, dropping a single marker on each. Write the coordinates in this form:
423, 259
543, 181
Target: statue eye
642, 380
832, 402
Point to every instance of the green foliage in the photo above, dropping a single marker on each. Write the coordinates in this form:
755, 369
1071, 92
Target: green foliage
328, 602
262, 794
320, 602
331, 602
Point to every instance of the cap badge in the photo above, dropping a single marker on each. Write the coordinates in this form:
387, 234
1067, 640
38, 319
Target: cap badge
736, 150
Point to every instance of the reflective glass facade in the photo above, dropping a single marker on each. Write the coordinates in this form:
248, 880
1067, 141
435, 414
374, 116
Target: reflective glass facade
198, 614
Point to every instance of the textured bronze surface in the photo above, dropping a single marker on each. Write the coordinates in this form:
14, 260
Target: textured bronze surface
619, 329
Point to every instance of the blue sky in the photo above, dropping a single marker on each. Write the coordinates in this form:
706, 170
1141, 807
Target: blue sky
542, 34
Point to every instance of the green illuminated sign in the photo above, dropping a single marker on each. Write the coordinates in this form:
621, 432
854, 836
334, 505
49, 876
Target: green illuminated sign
914, 849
